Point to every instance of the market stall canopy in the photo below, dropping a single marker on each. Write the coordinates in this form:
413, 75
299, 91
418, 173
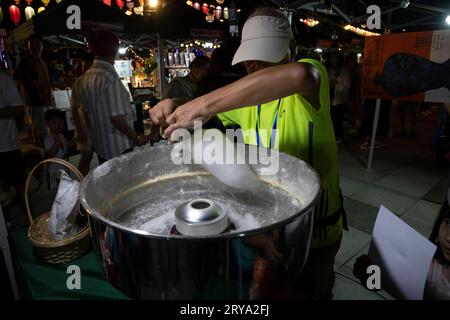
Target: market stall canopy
53, 21
174, 21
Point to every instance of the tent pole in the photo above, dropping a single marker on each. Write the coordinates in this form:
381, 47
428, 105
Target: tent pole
374, 133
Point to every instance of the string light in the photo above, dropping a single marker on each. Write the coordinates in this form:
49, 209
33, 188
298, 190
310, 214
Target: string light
360, 32
204, 44
310, 22
136, 56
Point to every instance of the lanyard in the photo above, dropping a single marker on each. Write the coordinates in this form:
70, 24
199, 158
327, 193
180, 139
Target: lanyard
274, 126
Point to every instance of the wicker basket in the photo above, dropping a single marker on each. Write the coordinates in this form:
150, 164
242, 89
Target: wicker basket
49, 250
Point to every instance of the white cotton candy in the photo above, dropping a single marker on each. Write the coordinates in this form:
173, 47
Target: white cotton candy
213, 153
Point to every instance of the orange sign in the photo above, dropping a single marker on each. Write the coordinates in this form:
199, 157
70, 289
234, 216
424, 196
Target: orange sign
408, 66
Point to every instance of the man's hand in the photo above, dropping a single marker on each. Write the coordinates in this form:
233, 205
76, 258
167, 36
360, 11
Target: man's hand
140, 139
184, 117
162, 111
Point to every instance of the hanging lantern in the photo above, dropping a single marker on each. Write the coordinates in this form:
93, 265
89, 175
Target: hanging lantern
28, 2
205, 8
189, 3
139, 10
120, 3
197, 6
129, 12
29, 12
220, 1
226, 13
45, 2
210, 16
218, 12
41, 9
17, 2
58, 1
130, 4
107, 2
14, 13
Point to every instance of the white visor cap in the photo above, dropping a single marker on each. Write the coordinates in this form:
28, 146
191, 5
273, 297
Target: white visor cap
264, 38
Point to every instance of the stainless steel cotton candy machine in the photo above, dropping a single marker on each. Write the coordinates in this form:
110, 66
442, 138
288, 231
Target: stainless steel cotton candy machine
166, 231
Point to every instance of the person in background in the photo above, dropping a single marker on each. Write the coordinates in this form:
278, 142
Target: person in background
441, 138
192, 85
85, 148
56, 74
34, 77
294, 99
105, 102
437, 286
69, 76
221, 73
354, 106
55, 144
11, 168
340, 83
408, 117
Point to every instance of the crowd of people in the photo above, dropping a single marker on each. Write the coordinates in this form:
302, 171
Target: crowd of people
306, 100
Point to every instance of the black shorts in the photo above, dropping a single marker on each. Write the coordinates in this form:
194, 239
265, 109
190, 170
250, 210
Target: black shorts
11, 167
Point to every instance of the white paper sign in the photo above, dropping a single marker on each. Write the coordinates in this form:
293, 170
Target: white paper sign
403, 255
123, 68
62, 98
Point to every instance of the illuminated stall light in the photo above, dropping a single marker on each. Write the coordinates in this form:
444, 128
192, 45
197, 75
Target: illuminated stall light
14, 13
28, 2
189, 3
220, 1
310, 22
29, 13
197, 6
107, 2
40, 9
360, 32
45, 2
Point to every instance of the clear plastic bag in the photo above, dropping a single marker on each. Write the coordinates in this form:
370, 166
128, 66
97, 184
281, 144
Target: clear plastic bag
62, 222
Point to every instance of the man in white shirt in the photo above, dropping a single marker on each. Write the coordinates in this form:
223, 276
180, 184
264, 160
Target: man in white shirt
11, 169
105, 102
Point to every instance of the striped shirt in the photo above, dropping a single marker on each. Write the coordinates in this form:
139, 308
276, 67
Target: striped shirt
102, 95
